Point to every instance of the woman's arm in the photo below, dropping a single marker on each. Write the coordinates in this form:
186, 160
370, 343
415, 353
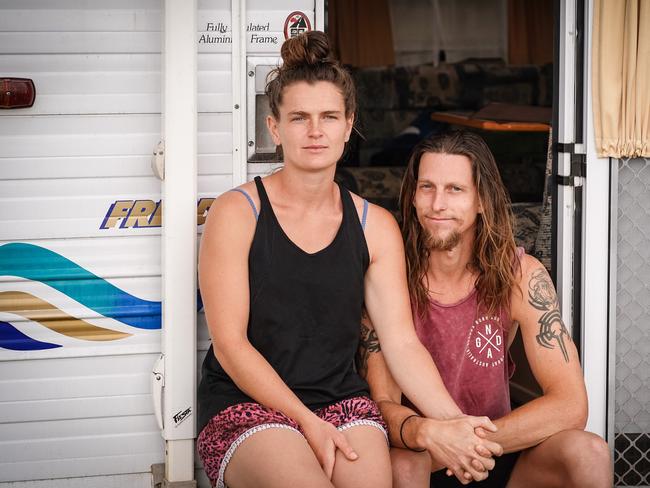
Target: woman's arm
388, 306
450, 443
223, 278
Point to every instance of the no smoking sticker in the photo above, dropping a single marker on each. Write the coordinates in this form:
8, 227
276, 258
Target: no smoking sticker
296, 23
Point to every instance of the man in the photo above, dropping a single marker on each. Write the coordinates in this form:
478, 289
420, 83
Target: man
470, 289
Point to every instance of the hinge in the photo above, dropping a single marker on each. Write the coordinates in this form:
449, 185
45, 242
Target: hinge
578, 165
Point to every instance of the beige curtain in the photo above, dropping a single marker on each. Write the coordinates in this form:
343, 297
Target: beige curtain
621, 77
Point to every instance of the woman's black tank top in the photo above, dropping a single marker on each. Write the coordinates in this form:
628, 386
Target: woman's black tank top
305, 314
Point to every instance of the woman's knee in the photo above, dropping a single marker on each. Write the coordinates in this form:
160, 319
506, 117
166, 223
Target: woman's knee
377, 477
258, 461
372, 468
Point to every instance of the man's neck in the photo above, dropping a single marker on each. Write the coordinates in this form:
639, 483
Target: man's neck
449, 273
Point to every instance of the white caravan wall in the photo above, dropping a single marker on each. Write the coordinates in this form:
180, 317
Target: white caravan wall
81, 405
75, 399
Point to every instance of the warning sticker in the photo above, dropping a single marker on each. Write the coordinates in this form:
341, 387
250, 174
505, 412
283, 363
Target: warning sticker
296, 23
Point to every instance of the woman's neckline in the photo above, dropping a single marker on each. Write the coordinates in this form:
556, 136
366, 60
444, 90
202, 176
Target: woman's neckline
286, 236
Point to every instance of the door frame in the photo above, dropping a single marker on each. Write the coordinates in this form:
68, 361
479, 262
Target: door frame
582, 208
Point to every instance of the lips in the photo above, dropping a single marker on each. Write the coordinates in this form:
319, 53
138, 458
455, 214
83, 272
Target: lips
315, 147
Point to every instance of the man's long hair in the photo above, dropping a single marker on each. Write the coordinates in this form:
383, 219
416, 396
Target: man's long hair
494, 253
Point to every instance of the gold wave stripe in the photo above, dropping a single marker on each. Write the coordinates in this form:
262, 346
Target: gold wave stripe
38, 310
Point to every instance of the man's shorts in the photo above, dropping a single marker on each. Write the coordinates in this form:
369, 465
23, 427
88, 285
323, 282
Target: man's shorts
226, 431
498, 477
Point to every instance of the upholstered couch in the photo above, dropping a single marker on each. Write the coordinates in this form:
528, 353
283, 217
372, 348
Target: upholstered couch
397, 100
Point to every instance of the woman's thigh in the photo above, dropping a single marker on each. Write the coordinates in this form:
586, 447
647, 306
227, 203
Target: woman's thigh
275, 458
372, 467
269, 441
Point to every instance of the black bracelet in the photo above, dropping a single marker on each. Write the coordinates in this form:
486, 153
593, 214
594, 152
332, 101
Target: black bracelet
401, 434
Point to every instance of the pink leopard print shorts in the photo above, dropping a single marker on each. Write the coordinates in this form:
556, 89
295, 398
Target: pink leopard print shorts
229, 428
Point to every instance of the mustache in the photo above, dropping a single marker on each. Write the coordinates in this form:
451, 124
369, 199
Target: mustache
437, 216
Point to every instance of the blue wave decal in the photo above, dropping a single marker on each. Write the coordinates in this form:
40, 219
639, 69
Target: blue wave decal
11, 338
39, 264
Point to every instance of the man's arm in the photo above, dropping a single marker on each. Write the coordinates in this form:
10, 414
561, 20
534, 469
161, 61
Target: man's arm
368, 344
450, 443
553, 360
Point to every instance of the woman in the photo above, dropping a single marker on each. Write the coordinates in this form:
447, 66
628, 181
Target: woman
285, 265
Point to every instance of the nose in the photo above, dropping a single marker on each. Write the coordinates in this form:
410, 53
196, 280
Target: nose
439, 201
315, 128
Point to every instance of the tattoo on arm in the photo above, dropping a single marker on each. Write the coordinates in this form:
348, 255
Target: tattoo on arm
368, 344
542, 296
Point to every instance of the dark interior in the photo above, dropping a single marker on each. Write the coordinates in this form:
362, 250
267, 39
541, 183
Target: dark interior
423, 67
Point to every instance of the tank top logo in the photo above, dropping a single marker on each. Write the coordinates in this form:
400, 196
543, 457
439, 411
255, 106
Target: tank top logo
485, 342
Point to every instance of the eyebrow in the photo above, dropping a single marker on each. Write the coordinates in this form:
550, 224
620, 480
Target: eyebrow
326, 112
426, 180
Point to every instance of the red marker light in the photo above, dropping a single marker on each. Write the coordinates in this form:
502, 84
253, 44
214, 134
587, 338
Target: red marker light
17, 93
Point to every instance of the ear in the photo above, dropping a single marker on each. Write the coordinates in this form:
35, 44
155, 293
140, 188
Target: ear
349, 123
272, 125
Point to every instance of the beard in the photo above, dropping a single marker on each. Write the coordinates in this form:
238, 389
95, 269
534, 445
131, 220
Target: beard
442, 243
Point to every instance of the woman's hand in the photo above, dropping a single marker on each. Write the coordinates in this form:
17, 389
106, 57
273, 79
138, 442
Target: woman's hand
324, 440
454, 443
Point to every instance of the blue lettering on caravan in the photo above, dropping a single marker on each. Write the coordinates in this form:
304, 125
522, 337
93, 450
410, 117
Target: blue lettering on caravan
145, 214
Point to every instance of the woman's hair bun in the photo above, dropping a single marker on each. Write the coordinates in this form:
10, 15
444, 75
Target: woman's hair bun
307, 48
308, 57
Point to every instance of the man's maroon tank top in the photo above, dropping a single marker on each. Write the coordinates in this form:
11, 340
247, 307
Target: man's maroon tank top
470, 350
